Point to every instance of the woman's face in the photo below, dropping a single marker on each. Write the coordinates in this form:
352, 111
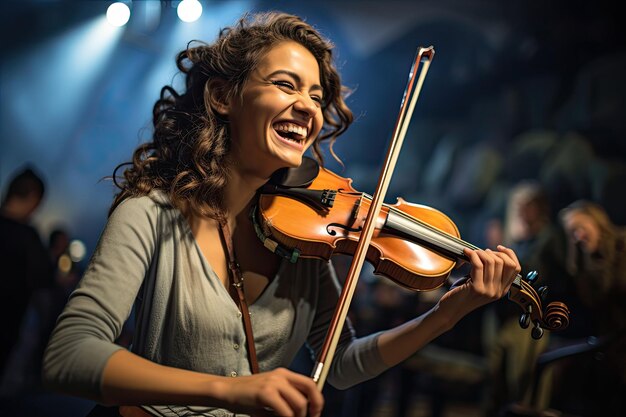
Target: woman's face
583, 229
279, 114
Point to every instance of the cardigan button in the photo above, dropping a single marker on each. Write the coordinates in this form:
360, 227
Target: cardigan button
233, 374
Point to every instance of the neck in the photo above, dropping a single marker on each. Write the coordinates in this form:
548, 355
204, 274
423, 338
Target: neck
239, 193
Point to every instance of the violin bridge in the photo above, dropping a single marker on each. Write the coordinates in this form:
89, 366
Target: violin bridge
328, 197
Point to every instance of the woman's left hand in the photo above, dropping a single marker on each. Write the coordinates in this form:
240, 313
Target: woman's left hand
490, 278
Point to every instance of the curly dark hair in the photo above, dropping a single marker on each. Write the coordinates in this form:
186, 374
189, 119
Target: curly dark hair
187, 157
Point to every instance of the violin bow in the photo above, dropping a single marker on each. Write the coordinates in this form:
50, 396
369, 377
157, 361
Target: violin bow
414, 85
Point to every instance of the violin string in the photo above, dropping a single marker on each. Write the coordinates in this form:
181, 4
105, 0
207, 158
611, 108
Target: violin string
435, 230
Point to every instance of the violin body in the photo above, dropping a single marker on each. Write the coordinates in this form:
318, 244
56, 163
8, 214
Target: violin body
321, 232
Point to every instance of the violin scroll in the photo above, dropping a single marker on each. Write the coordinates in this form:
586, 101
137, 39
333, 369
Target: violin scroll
555, 316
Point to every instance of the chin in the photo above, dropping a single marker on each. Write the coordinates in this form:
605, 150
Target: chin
295, 163
290, 161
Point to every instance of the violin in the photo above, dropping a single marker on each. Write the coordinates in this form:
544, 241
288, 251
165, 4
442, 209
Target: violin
414, 245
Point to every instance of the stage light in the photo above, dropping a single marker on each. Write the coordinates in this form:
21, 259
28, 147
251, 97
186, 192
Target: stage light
189, 10
118, 14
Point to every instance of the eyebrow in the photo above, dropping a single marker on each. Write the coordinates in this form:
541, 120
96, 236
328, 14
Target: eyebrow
297, 78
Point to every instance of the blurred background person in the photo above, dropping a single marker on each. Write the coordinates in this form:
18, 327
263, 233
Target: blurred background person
527, 228
24, 261
596, 261
23, 374
596, 295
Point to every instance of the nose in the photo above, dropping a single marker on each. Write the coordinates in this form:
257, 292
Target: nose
579, 234
306, 106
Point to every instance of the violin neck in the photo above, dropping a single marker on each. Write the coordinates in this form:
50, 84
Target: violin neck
426, 235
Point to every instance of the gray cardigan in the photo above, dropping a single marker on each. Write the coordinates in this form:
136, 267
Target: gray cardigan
185, 318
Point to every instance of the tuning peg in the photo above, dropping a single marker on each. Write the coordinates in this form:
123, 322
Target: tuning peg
532, 276
543, 293
537, 331
524, 320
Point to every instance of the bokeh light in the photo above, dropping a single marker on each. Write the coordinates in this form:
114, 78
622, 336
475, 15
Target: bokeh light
77, 250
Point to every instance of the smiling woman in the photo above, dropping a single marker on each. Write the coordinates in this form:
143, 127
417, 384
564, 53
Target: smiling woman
179, 246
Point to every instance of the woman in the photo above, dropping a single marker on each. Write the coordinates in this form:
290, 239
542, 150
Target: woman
255, 101
594, 289
596, 262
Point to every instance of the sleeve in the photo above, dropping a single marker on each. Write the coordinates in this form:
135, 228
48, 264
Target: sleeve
355, 360
83, 339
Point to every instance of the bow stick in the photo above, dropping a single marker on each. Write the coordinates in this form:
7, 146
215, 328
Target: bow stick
411, 93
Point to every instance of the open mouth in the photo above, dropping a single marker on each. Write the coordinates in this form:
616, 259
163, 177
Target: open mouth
291, 133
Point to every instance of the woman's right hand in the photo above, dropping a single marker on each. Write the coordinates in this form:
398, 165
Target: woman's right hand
280, 392
132, 380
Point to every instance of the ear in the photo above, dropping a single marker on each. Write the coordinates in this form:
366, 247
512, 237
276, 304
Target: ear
219, 99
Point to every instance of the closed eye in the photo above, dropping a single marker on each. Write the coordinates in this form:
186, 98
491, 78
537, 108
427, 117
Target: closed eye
285, 84
319, 100
290, 86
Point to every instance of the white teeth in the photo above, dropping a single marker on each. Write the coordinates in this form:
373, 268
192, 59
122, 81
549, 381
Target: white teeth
292, 128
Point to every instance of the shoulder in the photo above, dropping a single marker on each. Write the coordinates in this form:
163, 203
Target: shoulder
142, 215
154, 202
16, 230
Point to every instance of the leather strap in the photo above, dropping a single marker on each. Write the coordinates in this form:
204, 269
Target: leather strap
237, 282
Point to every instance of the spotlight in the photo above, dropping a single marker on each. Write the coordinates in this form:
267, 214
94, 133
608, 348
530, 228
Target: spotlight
189, 10
118, 14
